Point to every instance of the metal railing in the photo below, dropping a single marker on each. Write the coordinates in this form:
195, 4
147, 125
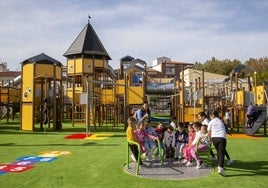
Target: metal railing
160, 154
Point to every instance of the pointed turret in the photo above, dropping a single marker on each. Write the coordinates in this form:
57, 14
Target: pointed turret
87, 42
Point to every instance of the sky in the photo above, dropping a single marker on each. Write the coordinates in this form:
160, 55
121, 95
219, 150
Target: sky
184, 30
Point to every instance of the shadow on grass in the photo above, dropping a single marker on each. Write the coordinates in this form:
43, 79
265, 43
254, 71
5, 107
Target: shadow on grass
252, 168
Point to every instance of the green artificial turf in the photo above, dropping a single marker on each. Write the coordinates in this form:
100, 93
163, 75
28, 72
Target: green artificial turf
99, 163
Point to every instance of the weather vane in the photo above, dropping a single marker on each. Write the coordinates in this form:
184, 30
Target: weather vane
89, 18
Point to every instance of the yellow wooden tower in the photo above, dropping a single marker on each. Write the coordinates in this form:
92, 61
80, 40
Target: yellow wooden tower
87, 70
41, 87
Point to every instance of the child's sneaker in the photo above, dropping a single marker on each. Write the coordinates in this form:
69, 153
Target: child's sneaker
133, 158
221, 171
149, 159
144, 155
200, 165
189, 164
229, 162
184, 161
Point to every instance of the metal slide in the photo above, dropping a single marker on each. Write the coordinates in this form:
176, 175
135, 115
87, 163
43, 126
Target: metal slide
160, 88
15, 81
258, 123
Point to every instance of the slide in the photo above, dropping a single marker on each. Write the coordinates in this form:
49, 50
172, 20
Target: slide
261, 118
160, 88
15, 81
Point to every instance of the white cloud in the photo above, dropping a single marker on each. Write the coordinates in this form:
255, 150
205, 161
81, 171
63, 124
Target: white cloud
186, 31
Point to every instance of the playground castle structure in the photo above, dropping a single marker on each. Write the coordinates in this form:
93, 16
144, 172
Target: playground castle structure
91, 92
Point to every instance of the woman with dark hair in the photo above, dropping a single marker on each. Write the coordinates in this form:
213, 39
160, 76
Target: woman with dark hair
144, 113
217, 134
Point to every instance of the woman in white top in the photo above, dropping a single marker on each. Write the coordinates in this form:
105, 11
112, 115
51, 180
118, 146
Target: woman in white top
217, 134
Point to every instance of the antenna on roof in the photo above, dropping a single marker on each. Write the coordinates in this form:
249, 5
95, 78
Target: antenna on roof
89, 18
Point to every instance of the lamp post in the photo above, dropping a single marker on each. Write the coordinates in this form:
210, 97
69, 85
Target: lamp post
88, 108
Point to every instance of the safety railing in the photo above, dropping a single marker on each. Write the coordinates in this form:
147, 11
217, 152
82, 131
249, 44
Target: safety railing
160, 151
139, 158
160, 154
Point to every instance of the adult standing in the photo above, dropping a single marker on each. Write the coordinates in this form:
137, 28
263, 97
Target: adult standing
144, 113
217, 134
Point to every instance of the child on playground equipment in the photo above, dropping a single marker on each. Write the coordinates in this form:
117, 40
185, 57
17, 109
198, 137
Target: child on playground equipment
198, 134
204, 145
142, 136
173, 123
132, 137
191, 136
150, 143
160, 130
181, 139
170, 141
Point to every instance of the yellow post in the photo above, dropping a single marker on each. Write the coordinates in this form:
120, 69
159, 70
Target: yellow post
255, 88
27, 107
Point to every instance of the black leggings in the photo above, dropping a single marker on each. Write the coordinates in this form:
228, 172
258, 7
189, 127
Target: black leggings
134, 150
225, 152
220, 144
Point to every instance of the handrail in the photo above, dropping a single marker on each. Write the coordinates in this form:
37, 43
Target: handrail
139, 155
160, 151
204, 152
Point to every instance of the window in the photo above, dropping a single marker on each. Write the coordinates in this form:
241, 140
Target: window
170, 70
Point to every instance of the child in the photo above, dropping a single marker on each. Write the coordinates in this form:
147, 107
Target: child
160, 130
181, 139
173, 123
202, 146
189, 157
142, 136
191, 136
228, 118
131, 136
169, 141
150, 144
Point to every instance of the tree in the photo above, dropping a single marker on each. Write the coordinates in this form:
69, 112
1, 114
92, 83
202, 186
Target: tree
214, 65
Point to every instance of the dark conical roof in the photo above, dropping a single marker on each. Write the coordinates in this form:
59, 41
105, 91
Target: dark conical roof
42, 59
87, 42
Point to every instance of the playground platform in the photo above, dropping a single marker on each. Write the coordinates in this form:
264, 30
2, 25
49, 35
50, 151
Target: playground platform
170, 170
